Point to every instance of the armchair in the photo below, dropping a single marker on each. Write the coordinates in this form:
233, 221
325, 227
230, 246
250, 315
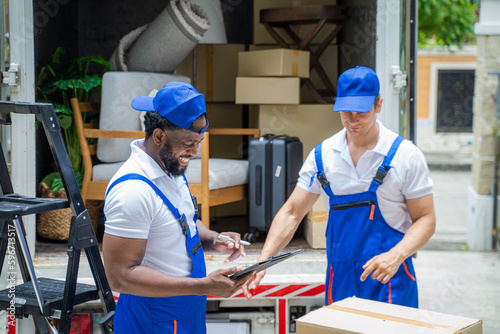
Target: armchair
213, 181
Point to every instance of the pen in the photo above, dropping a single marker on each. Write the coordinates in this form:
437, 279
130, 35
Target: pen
225, 237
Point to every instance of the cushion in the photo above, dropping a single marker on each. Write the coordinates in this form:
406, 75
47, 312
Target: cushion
222, 172
118, 91
104, 172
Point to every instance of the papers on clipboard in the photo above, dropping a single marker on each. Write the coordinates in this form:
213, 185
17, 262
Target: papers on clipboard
263, 265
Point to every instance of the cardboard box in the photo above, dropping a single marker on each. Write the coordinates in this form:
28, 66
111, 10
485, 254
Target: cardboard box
274, 63
260, 34
312, 123
315, 225
216, 70
262, 90
315, 229
357, 315
329, 62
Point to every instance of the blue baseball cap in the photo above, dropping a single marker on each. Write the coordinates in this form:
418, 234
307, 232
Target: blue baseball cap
356, 90
178, 102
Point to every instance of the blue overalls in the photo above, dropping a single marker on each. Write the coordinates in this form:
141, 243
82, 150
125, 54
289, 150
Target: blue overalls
180, 314
356, 232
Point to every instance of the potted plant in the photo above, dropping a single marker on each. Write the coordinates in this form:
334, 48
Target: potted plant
57, 83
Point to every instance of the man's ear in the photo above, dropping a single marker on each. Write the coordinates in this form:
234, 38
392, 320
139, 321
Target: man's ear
378, 108
159, 136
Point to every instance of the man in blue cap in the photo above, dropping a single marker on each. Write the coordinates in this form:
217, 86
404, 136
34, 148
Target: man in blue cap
153, 241
378, 192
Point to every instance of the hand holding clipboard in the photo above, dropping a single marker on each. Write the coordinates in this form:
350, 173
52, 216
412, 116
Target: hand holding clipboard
263, 265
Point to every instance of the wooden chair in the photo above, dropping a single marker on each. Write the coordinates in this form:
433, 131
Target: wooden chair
93, 190
208, 195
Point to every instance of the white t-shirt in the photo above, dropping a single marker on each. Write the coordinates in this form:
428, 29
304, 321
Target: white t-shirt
409, 177
134, 210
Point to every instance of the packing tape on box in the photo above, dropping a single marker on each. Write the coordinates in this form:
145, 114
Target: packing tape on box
295, 69
450, 329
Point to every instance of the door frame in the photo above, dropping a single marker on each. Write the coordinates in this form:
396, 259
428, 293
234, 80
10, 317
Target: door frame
23, 143
396, 116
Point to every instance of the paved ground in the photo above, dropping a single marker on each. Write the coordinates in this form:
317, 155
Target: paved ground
451, 279
461, 283
450, 202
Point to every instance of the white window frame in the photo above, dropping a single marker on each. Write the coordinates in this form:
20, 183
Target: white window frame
430, 140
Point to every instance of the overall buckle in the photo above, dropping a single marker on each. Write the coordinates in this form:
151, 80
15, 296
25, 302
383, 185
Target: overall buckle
195, 204
381, 173
184, 225
322, 179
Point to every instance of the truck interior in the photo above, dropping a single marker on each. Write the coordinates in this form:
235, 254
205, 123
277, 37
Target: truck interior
87, 28
338, 35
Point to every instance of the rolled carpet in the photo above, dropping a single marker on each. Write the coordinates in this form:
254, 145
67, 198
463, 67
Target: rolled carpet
164, 43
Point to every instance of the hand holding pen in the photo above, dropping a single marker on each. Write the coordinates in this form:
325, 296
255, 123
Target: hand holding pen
225, 237
229, 245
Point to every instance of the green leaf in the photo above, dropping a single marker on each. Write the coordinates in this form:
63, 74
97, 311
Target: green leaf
62, 109
88, 82
75, 155
57, 183
65, 121
85, 83
97, 60
47, 71
48, 179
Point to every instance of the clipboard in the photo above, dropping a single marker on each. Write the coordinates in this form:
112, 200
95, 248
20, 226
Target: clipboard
259, 266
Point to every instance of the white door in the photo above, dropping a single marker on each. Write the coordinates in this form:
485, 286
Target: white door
396, 64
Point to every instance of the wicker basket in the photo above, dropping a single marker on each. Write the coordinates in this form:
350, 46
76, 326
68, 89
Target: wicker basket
55, 224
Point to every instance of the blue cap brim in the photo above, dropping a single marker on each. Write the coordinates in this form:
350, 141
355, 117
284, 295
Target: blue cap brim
354, 103
143, 103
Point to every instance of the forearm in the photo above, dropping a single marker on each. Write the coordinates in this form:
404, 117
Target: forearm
287, 220
416, 237
281, 232
207, 236
382, 267
147, 282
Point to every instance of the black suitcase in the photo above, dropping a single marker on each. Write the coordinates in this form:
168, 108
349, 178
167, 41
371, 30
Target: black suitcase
274, 165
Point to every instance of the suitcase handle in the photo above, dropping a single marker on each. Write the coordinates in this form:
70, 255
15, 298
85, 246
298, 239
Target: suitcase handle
258, 185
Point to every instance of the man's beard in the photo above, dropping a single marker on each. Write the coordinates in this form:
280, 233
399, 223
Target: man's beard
171, 163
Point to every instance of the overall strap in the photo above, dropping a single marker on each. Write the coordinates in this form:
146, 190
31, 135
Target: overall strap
320, 174
386, 165
193, 198
173, 209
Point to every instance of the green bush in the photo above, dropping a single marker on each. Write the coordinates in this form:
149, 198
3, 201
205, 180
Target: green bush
446, 22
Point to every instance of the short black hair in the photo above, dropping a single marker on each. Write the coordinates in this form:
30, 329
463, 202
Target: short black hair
153, 120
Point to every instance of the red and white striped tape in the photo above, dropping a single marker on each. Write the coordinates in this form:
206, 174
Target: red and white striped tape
283, 291
276, 291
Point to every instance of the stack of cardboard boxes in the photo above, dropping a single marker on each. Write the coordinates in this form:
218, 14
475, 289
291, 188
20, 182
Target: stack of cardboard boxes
267, 79
271, 76
270, 81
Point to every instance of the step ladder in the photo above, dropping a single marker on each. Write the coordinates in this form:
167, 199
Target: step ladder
44, 298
